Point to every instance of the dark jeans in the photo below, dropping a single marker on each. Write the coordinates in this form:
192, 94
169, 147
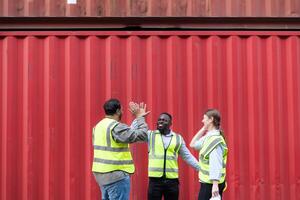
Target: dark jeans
205, 190
158, 187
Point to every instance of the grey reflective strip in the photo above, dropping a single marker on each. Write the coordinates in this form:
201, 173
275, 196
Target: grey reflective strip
207, 172
177, 144
211, 145
93, 136
157, 169
206, 161
108, 142
153, 142
162, 157
118, 149
114, 162
224, 146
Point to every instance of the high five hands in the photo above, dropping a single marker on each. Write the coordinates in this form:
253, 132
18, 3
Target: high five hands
138, 110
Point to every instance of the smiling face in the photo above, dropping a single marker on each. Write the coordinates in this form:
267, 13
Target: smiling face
163, 123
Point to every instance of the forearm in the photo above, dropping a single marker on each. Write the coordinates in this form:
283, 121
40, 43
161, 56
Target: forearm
187, 156
215, 189
129, 134
215, 182
198, 135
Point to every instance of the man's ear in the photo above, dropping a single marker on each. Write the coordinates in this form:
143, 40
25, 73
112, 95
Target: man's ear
118, 111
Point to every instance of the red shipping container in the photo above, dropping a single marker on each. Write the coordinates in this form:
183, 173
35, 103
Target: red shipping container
53, 85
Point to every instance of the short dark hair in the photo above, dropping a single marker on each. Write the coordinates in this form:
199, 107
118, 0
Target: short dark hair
169, 115
111, 106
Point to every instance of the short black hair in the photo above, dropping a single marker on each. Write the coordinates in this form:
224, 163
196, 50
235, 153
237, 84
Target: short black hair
165, 113
111, 106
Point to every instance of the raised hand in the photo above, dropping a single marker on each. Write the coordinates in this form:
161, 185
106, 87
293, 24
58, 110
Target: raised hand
138, 110
142, 111
134, 108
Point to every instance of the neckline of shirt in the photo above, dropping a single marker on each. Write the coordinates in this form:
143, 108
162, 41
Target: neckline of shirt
213, 132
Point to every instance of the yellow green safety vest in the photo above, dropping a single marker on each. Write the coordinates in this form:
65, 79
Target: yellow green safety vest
209, 144
161, 159
108, 154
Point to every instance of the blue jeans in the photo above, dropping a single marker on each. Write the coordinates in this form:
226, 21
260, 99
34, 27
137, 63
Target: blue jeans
116, 191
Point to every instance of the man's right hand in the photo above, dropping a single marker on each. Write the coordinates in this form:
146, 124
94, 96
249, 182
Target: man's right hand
142, 111
138, 110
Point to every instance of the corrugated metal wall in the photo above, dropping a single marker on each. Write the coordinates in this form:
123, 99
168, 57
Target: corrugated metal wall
114, 8
53, 85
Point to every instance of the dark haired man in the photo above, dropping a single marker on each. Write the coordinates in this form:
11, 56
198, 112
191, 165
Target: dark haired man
164, 148
113, 162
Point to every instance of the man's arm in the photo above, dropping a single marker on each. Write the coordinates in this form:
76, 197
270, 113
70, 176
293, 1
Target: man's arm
138, 129
187, 156
137, 132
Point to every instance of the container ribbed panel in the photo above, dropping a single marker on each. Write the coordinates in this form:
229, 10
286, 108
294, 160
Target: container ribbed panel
53, 86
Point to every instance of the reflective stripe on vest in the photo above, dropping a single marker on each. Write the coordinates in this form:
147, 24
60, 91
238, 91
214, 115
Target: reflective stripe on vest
210, 144
108, 154
156, 155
